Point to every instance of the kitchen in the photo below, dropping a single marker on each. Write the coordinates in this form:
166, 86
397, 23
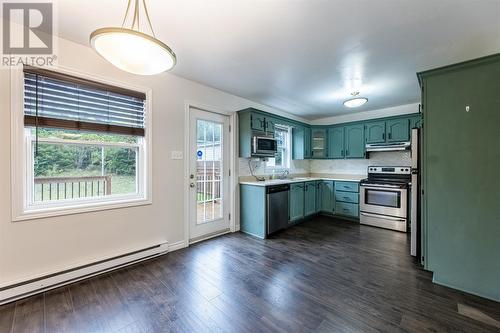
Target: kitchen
380, 195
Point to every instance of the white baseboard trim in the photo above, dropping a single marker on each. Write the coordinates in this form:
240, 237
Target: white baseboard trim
177, 246
24, 289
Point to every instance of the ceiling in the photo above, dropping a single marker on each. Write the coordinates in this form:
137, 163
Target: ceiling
306, 56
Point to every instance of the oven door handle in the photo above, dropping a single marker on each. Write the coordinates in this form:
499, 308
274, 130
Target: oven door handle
381, 187
385, 217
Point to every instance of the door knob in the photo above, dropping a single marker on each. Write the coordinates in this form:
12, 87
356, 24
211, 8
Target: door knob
191, 185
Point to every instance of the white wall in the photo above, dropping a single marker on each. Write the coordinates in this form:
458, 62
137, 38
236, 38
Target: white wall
37, 247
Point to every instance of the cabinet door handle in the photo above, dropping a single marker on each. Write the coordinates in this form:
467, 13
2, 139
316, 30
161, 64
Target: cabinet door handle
347, 152
390, 135
383, 136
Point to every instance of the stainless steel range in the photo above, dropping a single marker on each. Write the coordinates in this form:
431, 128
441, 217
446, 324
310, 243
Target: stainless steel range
384, 197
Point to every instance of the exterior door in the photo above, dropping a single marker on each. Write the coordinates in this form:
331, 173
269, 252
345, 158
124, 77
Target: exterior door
209, 174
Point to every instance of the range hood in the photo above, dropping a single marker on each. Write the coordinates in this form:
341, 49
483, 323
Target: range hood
391, 146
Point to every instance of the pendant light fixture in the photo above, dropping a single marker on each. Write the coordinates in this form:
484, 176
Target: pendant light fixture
130, 49
355, 101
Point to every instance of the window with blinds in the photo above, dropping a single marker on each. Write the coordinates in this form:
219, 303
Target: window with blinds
84, 145
55, 100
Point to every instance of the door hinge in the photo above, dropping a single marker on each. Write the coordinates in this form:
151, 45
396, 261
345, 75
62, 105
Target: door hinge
229, 216
229, 128
229, 172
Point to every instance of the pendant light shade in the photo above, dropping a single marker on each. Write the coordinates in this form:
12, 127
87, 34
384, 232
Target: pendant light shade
132, 50
356, 101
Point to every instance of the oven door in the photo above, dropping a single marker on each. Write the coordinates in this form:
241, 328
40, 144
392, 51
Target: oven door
384, 200
263, 146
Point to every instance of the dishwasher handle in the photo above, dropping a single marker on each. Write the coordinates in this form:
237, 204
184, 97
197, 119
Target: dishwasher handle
277, 188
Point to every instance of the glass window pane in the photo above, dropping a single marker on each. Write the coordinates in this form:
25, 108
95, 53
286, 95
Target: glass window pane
383, 198
209, 171
71, 171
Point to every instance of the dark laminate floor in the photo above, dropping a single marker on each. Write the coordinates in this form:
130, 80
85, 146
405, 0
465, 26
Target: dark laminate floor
322, 276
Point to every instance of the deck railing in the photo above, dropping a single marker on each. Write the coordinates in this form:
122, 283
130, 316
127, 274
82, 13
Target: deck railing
57, 188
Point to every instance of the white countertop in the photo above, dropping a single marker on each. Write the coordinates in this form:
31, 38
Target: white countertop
268, 182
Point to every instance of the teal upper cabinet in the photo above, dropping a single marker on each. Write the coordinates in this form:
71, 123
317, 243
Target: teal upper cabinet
325, 142
301, 143
298, 143
307, 142
296, 202
309, 198
416, 121
336, 142
270, 125
327, 196
319, 143
354, 141
398, 130
258, 122
375, 132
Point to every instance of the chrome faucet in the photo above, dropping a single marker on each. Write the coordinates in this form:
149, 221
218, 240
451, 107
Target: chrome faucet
284, 174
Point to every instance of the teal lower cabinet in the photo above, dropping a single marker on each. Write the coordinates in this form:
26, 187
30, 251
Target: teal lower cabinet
326, 196
347, 199
296, 202
253, 210
309, 198
398, 130
347, 209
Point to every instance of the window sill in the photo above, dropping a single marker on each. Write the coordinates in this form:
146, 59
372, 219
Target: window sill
80, 208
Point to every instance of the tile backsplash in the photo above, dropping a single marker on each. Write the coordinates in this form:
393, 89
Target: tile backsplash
260, 169
348, 166
359, 166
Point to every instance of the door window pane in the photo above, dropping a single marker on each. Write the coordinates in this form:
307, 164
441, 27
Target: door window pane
209, 171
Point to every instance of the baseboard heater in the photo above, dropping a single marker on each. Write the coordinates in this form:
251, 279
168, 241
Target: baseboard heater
27, 288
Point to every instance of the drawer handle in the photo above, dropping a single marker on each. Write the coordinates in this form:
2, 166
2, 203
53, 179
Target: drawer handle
347, 198
345, 209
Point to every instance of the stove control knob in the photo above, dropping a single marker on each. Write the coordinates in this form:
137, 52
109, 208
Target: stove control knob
402, 170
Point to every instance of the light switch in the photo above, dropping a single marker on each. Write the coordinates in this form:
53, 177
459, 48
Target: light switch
177, 155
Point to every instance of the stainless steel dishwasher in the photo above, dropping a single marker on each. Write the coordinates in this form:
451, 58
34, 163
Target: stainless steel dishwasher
277, 207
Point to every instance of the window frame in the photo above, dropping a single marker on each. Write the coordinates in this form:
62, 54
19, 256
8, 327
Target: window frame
287, 149
22, 160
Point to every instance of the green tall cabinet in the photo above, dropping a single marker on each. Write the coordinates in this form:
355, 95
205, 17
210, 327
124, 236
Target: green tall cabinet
461, 164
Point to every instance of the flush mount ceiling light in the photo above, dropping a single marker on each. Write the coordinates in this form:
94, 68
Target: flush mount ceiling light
356, 101
130, 49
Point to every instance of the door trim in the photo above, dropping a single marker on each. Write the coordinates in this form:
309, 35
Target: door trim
233, 226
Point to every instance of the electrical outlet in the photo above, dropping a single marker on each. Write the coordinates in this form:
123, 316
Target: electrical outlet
177, 155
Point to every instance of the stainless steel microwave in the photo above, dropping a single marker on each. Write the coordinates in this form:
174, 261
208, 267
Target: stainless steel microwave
264, 146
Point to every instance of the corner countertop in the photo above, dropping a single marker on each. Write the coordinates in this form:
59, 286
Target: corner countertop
300, 179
